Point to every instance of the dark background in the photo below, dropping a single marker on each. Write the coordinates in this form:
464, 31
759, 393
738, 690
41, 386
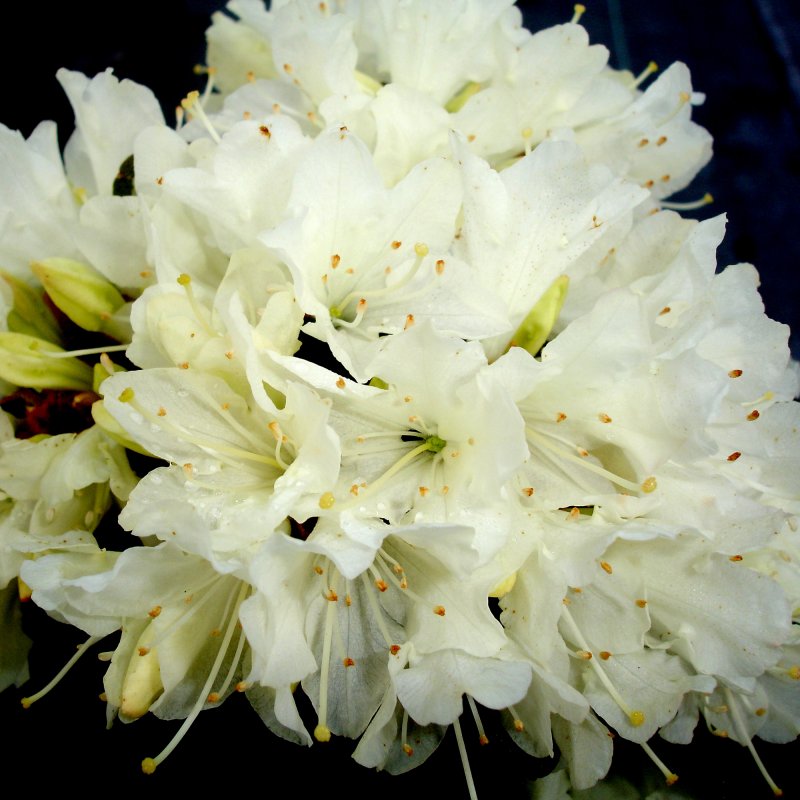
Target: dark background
744, 54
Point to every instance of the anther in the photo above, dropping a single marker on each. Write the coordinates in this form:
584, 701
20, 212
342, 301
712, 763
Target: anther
528, 491
641, 602
396, 244
584, 654
348, 662
409, 322
649, 485
604, 418
394, 649
154, 612
439, 267
735, 373
664, 310
318, 569
331, 596
734, 455
754, 414
381, 585
561, 416
421, 249
735, 558
335, 260
644, 142
322, 733
604, 654
213, 697
636, 718
327, 500
126, 395
439, 610
606, 567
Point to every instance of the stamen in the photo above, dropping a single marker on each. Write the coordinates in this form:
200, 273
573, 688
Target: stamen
635, 717
376, 611
127, 395
741, 729
185, 281
464, 760
322, 732
149, 764
88, 351
579, 10
692, 205
407, 749
482, 737
192, 103
670, 776
644, 75
27, 702
648, 485
518, 724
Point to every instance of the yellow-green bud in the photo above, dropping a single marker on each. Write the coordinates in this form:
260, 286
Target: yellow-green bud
536, 327
29, 314
109, 424
24, 362
84, 295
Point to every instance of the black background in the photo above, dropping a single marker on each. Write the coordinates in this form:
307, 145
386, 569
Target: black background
745, 54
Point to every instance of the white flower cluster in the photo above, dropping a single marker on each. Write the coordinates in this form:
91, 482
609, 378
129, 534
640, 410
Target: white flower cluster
436, 401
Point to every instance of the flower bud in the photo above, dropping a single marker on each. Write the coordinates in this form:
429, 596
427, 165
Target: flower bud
24, 361
29, 314
536, 327
87, 298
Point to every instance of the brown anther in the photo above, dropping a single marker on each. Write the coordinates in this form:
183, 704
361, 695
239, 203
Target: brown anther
287, 68
184, 365
408, 398
348, 662
606, 567
439, 267
528, 491
665, 178
723, 734
318, 569
583, 452
162, 412
188, 469
229, 354
735, 558
351, 271
641, 602
408, 750
423, 490
276, 108
335, 259
154, 612
483, 739
265, 131
644, 142
604, 418
160, 180
250, 75
340, 383
215, 632
103, 696
409, 322
684, 97
648, 184
754, 414
584, 654
143, 651
242, 686
404, 582
396, 244
331, 596
759, 712
561, 416
735, 373
348, 601
574, 512
734, 455
566, 601
576, 589
354, 490
381, 585
604, 654
394, 649
471, 137
439, 611
225, 406
664, 310
519, 726
246, 115
145, 273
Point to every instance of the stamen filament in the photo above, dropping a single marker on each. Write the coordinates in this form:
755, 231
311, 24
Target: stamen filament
692, 205
322, 732
149, 764
87, 351
663, 768
644, 75
483, 738
464, 760
376, 610
407, 749
541, 440
742, 731
27, 702
186, 282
